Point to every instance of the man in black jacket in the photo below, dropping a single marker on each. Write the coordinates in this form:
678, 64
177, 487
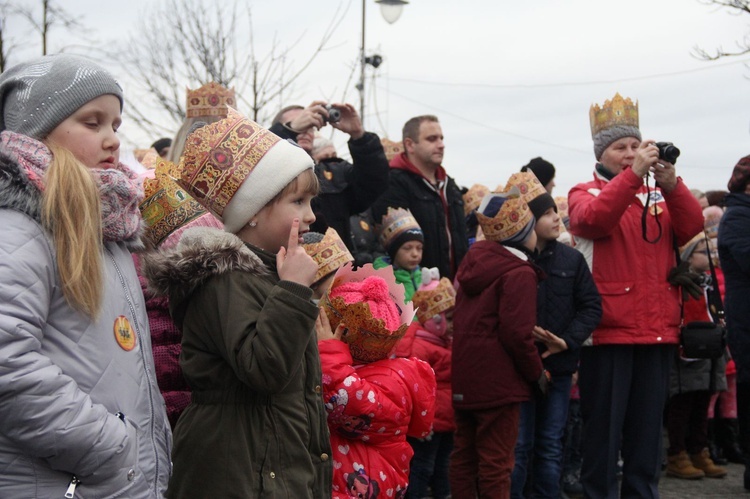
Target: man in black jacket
419, 182
345, 188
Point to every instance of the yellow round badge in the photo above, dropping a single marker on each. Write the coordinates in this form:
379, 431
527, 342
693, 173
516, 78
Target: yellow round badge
124, 334
328, 174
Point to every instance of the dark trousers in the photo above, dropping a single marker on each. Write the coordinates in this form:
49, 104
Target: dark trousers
482, 458
623, 393
430, 466
687, 422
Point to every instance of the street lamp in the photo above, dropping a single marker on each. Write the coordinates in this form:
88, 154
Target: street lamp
391, 11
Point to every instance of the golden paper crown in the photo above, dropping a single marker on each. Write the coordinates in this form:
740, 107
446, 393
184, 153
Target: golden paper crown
219, 157
562, 210
434, 301
212, 99
395, 222
618, 111
330, 253
391, 148
512, 217
473, 197
166, 206
368, 338
528, 185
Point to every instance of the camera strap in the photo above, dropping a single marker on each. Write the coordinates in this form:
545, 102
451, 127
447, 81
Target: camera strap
644, 215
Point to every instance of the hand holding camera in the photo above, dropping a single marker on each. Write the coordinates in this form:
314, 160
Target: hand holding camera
347, 121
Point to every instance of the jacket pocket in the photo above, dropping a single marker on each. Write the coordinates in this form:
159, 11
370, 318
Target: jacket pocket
618, 304
561, 282
115, 483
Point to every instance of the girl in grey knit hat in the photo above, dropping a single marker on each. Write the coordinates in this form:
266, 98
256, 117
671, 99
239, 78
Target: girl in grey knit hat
80, 410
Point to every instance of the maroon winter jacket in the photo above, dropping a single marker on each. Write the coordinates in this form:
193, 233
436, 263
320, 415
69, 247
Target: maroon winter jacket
494, 356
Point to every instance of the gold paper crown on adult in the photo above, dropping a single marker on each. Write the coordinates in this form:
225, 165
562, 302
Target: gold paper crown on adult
528, 185
212, 99
511, 218
473, 197
617, 111
368, 338
330, 253
391, 148
395, 222
434, 301
166, 206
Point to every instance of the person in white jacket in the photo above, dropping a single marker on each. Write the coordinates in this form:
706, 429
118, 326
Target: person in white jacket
80, 412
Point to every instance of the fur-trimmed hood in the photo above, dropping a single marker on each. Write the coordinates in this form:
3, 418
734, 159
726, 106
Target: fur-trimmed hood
16, 190
201, 254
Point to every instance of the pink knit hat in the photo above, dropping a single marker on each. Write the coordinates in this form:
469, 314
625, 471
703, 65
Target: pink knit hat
373, 291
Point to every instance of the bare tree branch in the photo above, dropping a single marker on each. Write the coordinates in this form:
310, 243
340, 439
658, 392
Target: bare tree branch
735, 7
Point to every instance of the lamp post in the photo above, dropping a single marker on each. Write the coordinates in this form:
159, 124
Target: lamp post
391, 11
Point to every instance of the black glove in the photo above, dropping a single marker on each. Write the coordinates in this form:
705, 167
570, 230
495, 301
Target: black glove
689, 281
542, 384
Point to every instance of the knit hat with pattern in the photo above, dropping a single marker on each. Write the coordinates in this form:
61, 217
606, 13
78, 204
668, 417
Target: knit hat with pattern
38, 95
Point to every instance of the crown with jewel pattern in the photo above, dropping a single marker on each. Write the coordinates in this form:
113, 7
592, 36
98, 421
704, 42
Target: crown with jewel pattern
330, 253
528, 185
368, 338
473, 197
395, 222
617, 112
434, 301
166, 206
212, 99
512, 217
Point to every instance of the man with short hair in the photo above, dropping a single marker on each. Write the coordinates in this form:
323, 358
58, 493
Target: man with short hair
419, 182
345, 188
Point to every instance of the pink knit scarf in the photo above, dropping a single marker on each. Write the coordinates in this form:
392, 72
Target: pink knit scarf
120, 192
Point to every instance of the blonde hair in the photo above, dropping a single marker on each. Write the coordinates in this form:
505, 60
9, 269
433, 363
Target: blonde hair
306, 182
71, 211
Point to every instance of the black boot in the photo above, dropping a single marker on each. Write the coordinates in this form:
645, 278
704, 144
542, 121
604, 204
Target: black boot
727, 433
715, 451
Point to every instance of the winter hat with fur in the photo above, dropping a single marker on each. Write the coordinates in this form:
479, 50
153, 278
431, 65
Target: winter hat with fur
38, 95
234, 167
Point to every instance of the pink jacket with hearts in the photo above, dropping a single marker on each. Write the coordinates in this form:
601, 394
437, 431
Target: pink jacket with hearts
371, 409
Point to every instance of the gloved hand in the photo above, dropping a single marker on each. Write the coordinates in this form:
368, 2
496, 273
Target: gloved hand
689, 281
542, 384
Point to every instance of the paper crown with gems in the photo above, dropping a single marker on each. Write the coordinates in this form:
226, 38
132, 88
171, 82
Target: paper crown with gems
166, 206
368, 337
617, 112
528, 185
212, 99
396, 223
473, 197
328, 250
391, 148
234, 167
505, 216
431, 302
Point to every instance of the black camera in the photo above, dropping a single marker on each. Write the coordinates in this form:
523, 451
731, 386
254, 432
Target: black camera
668, 152
334, 115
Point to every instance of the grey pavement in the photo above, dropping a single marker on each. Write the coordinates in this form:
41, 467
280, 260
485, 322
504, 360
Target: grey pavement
729, 486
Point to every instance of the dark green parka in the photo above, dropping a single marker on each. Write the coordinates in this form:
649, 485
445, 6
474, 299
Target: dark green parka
256, 424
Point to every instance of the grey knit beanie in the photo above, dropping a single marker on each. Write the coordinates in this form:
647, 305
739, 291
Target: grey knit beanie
38, 95
603, 139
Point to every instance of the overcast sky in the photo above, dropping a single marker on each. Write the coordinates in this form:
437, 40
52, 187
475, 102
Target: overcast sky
510, 80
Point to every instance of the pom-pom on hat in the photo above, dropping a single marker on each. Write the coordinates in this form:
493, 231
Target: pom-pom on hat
612, 121
234, 167
397, 227
168, 210
370, 309
505, 217
328, 250
533, 192
543, 169
38, 95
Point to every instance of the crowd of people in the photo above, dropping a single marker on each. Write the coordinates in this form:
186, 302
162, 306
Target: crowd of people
238, 312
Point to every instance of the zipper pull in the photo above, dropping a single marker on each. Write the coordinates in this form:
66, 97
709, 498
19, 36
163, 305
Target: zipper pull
71, 492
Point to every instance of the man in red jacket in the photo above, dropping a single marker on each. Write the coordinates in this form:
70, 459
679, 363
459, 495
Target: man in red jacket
627, 231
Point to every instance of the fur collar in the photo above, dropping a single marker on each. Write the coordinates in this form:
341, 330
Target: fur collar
202, 253
16, 191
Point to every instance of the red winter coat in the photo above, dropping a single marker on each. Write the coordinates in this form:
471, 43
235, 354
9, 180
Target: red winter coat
495, 359
435, 351
639, 305
371, 410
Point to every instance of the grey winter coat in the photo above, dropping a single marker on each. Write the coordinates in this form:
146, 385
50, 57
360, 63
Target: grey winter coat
64, 377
